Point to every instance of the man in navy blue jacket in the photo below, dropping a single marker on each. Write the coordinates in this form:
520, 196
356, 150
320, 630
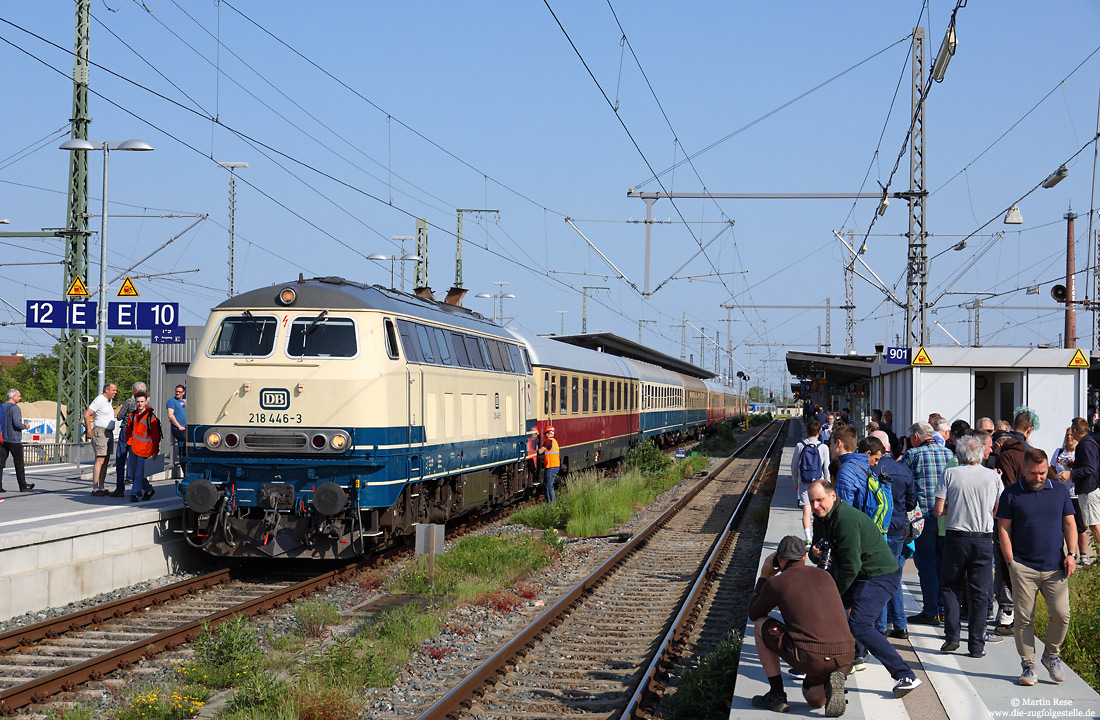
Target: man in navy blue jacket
1086, 466
903, 487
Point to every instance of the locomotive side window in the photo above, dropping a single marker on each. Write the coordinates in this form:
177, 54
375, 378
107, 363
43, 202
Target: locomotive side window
391, 338
245, 335
461, 355
473, 347
425, 340
496, 362
443, 344
526, 361
322, 336
409, 341
517, 360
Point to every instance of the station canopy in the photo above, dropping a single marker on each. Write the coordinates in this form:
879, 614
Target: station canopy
615, 345
836, 369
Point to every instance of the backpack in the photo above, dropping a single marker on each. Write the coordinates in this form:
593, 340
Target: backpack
878, 502
809, 463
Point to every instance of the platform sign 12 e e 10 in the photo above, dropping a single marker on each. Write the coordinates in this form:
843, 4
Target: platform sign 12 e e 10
61, 314
897, 355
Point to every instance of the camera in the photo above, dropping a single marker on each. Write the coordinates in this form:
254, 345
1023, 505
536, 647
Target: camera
88, 340
824, 555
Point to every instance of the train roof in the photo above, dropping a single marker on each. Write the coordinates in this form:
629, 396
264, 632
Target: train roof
652, 373
719, 387
611, 343
336, 293
546, 352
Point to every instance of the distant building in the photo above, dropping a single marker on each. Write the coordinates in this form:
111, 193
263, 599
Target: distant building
10, 360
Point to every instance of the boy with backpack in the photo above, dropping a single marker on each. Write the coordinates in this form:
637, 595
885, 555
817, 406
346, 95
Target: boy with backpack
811, 462
143, 436
855, 483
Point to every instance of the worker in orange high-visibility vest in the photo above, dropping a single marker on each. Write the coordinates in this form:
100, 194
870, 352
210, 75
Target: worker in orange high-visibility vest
143, 436
551, 460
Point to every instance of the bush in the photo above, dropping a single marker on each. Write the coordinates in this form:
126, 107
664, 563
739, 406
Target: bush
259, 691
758, 419
708, 686
725, 431
171, 704
546, 515
647, 457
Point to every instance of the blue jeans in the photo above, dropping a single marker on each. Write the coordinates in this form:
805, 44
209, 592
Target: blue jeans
894, 611
865, 601
928, 568
135, 472
121, 453
551, 475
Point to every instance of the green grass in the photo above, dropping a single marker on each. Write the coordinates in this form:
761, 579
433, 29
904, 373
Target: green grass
173, 703
224, 655
708, 685
1081, 648
476, 565
595, 505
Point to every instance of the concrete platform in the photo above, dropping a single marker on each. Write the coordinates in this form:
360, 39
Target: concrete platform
59, 544
955, 685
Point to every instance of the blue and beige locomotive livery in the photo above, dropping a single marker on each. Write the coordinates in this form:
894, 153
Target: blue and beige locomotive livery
327, 418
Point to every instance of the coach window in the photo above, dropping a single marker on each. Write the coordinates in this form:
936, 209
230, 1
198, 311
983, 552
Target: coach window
245, 335
603, 396
443, 345
595, 395
618, 395
461, 356
563, 389
584, 395
391, 338
548, 394
575, 403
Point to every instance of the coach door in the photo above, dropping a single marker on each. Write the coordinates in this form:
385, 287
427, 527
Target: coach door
415, 404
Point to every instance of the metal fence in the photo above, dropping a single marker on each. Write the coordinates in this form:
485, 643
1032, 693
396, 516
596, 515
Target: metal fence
49, 453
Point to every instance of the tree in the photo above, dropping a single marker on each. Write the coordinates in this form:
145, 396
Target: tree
36, 377
757, 394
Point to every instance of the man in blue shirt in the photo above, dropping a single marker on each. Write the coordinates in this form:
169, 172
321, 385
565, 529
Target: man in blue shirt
177, 418
1034, 517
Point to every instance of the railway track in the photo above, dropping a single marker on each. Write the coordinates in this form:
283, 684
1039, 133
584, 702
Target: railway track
604, 647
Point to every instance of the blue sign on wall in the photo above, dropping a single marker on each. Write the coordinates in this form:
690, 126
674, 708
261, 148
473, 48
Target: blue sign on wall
169, 336
897, 355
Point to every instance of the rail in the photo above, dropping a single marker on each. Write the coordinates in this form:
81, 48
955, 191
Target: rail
464, 691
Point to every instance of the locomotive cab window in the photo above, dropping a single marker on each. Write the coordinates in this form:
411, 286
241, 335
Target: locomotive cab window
322, 336
391, 339
245, 336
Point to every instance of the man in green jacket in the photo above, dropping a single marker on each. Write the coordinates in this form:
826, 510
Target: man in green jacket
866, 574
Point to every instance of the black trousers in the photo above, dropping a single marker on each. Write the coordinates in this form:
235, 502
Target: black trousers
15, 452
967, 563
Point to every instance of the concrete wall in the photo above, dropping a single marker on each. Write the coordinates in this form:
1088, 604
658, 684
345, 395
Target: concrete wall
59, 564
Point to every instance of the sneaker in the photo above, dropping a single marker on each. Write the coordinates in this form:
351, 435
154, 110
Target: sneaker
796, 675
835, 704
118, 493
860, 663
949, 646
923, 618
905, 686
977, 653
993, 637
1055, 668
899, 633
1027, 677
28, 487
776, 702
135, 498
1004, 617
1002, 631
149, 494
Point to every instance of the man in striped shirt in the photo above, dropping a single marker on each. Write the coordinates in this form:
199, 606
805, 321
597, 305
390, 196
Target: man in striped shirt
928, 461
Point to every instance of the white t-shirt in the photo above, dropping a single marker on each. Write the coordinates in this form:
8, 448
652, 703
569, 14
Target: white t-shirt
104, 413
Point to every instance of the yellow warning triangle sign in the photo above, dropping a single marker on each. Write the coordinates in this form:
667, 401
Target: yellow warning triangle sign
77, 288
1079, 360
921, 358
127, 289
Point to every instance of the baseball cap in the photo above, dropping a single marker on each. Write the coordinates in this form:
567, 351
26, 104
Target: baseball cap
791, 547
883, 438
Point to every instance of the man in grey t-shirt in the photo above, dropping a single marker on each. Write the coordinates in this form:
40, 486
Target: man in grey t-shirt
967, 495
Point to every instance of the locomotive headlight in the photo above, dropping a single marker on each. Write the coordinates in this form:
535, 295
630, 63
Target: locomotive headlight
213, 439
319, 441
338, 442
231, 440
287, 296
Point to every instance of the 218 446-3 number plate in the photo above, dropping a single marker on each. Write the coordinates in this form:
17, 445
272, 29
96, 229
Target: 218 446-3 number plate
275, 418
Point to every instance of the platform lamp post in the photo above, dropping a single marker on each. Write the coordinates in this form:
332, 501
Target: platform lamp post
499, 295
81, 145
393, 261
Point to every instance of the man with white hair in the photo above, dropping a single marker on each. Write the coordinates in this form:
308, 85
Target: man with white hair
967, 495
12, 446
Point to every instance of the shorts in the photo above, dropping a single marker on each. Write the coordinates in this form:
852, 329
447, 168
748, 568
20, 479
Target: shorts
818, 668
102, 441
1090, 507
1077, 517
803, 494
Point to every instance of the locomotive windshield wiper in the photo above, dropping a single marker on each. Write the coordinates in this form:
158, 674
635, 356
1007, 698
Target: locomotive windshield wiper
316, 321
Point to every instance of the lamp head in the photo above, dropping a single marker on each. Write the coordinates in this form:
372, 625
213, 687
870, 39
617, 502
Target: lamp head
1056, 177
1013, 216
77, 144
134, 145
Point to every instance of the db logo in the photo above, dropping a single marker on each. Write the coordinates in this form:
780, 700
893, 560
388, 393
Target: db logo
274, 399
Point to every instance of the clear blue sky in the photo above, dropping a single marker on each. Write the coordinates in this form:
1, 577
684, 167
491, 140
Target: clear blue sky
356, 118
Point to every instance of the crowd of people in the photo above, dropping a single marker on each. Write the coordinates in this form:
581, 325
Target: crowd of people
134, 422
990, 522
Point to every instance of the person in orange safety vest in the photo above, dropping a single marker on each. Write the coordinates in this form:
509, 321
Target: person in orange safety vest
551, 454
143, 436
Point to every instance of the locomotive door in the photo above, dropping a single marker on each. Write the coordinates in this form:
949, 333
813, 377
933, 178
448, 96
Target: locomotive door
415, 405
